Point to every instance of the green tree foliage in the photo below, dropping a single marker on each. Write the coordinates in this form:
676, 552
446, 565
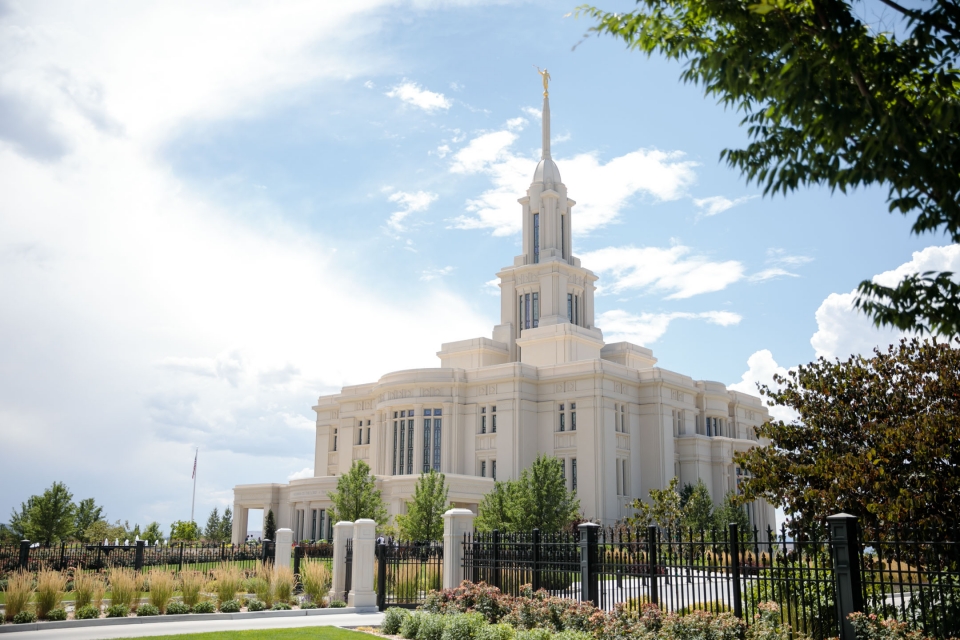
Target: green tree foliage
538, 499
876, 437
185, 530
663, 509
698, 511
20, 521
270, 526
87, 513
212, 530
153, 532
226, 525
357, 496
731, 511
52, 516
829, 99
424, 517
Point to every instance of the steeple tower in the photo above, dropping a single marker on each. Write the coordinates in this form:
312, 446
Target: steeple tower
546, 296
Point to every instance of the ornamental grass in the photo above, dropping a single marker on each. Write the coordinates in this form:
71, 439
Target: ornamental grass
262, 585
83, 588
163, 584
191, 584
51, 586
228, 579
316, 578
125, 584
283, 584
18, 593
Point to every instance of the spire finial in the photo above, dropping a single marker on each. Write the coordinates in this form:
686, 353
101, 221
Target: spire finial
545, 146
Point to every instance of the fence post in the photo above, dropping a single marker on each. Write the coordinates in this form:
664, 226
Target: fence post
589, 585
735, 569
456, 523
138, 556
652, 534
495, 558
180, 561
297, 554
382, 574
845, 546
342, 531
283, 547
361, 585
24, 558
536, 560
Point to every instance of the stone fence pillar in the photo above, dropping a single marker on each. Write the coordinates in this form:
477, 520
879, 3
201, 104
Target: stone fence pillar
281, 554
342, 531
364, 549
456, 523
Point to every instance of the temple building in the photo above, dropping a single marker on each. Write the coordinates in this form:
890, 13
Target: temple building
544, 382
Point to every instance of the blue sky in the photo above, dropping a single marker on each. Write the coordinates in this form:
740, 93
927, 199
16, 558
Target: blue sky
213, 215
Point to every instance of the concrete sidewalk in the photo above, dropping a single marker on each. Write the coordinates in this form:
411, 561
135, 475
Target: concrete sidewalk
174, 628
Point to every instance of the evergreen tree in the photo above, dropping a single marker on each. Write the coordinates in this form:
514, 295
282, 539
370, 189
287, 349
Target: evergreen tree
269, 526
152, 533
698, 512
357, 496
731, 511
212, 530
87, 513
226, 525
424, 518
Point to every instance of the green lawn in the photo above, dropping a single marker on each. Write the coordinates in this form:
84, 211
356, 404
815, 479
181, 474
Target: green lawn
314, 633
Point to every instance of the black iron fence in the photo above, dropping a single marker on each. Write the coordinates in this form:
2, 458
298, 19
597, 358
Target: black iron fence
140, 555
407, 572
509, 561
816, 581
312, 551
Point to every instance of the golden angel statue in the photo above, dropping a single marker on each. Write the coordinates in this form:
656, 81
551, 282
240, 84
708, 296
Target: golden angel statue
546, 79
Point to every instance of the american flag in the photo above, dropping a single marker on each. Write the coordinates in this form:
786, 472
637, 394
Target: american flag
194, 476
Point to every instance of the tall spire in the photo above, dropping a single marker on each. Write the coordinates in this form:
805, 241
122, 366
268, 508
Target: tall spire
545, 146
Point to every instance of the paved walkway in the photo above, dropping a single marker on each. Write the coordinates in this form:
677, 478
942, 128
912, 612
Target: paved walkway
174, 628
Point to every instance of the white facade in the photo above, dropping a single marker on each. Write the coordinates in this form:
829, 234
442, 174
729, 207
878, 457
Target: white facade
545, 382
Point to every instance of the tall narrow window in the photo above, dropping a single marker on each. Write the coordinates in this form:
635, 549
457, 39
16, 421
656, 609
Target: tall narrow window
526, 311
403, 433
563, 237
573, 474
493, 419
394, 445
573, 416
626, 484
426, 441
520, 313
368, 434
563, 422
576, 310
410, 446
569, 307
334, 439
483, 468
623, 419
536, 238
563, 470
536, 309
493, 469
618, 477
436, 440
483, 419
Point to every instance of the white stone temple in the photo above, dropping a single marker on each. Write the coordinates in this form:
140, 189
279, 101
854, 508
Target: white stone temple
544, 382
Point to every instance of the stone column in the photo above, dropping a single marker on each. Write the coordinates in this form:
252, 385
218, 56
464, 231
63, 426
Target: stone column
342, 531
283, 548
456, 522
364, 550
236, 536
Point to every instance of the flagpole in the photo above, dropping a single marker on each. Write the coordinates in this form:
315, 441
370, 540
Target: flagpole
193, 501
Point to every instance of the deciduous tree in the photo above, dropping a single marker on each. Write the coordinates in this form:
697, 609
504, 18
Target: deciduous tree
663, 509
357, 496
698, 511
424, 518
87, 513
52, 515
830, 99
185, 530
538, 499
876, 437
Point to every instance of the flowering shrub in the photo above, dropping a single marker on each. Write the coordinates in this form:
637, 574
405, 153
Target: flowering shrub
870, 627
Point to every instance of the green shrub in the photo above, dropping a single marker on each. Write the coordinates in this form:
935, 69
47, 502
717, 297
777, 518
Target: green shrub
280, 606
411, 625
463, 626
534, 634
256, 605
118, 611
392, 620
309, 604
432, 626
88, 612
55, 615
498, 631
177, 608
25, 617
148, 610
205, 606
337, 604
230, 606
572, 635
768, 626
714, 606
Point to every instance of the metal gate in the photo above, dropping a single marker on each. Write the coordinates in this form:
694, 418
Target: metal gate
348, 568
407, 572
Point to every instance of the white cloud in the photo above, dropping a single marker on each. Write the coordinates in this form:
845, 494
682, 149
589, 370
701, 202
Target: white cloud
780, 257
761, 368
492, 287
443, 150
409, 203
563, 137
602, 190
306, 472
671, 270
413, 93
369, 84
533, 112
842, 330
433, 274
516, 123
769, 274
718, 204
618, 325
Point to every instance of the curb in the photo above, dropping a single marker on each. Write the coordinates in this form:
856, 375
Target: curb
192, 617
